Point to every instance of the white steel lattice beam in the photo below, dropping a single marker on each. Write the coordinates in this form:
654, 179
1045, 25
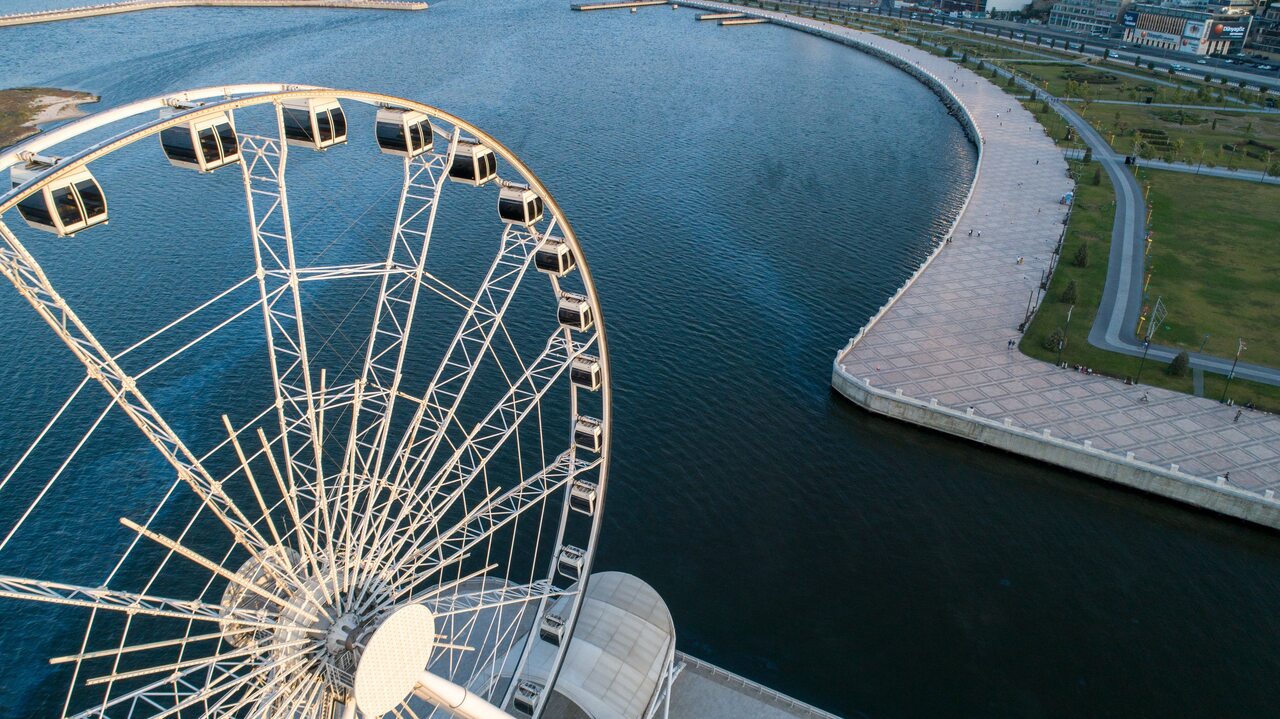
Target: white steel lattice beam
19, 267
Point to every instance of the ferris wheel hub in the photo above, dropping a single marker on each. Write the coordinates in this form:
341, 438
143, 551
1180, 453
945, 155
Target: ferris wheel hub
394, 658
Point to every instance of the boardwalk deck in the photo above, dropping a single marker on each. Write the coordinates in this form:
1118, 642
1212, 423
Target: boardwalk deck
616, 5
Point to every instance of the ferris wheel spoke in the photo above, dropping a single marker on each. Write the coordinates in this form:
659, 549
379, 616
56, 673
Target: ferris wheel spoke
397, 303
481, 444
463, 603
438, 406
160, 694
37, 590
263, 162
484, 520
461, 360
198, 662
162, 644
20, 268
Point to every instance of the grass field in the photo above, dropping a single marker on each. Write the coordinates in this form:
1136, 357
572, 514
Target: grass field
1241, 140
1091, 223
1216, 261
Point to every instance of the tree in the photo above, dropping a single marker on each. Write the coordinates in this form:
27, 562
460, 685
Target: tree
1178, 367
1097, 175
1068, 296
1082, 256
1055, 339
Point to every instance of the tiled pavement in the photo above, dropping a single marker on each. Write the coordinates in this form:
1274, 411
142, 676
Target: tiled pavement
946, 338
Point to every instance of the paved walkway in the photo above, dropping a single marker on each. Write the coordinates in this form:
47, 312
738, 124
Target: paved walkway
946, 337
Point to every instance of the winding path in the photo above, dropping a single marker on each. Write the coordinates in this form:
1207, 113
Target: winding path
938, 354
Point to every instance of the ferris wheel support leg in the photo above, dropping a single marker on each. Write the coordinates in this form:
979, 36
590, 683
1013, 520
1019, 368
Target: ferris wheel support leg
455, 699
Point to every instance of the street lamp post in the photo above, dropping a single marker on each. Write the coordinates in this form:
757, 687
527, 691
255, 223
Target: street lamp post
1240, 347
1146, 344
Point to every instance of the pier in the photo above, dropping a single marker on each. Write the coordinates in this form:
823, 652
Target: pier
616, 5
744, 21
75, 13
937, 354
720, 15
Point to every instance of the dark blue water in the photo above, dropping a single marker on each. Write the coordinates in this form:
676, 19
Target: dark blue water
746, 198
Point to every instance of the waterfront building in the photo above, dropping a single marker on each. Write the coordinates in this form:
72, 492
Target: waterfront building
1096, 17
1194, 32
1265, 37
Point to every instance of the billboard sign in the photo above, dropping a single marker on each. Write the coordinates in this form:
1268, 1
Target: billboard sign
1225, 31
1195, 28
1130, 19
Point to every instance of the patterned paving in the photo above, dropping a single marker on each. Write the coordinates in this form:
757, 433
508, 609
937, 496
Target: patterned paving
947, 337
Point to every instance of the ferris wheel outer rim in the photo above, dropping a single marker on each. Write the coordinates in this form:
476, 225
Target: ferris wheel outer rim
266, 94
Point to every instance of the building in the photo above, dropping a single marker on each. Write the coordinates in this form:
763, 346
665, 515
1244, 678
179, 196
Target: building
1265, 38
1195, 32
1095, 17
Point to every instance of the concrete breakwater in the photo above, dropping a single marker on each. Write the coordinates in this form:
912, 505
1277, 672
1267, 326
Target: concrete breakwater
940, 353
31, 18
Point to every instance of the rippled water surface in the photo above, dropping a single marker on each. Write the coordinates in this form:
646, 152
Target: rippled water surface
746, 197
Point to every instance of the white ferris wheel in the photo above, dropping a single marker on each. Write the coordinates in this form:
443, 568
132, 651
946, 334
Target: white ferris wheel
395, 514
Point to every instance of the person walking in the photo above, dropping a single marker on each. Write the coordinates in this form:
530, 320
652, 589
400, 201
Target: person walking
1237, 417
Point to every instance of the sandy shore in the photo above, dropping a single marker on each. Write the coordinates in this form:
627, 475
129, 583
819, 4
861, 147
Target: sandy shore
23, 111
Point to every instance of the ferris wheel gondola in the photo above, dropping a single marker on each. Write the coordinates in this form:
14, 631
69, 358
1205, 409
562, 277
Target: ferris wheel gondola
65, 206
203, 144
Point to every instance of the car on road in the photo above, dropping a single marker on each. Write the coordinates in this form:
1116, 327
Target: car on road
1177, 68
1202, 61
1265, 67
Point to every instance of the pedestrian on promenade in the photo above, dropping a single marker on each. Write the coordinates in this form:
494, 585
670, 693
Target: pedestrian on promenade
1143, 398
979, 234
1037, 162
971, 232
1237, 417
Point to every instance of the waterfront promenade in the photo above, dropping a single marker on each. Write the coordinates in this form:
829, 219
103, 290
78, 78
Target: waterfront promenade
938, 353
116, 8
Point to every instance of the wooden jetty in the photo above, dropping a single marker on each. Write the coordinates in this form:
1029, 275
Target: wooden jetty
616, 5
721, 15
743, 21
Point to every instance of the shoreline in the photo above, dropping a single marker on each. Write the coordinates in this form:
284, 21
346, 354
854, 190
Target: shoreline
115, 8
25, 111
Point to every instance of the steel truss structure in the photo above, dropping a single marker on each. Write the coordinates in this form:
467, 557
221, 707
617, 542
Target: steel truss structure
369, 480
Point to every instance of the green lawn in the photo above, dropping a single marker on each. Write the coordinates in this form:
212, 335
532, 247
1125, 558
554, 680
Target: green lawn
1091, 222
1243, 140
1216, 261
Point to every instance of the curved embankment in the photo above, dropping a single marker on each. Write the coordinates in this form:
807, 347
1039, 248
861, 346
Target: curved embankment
30, 18
938, 354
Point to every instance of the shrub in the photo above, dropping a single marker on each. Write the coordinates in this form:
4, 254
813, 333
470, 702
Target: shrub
1054, 339
1082, 256
1178, 367
1068, 296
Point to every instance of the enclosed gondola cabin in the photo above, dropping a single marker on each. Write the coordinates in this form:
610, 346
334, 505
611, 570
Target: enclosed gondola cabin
585, 372
554, 257
519, 206
574, 312
582, 497
313, 122
473, 164
571, 561
65, 207
588, 434
406, 133
204, 144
